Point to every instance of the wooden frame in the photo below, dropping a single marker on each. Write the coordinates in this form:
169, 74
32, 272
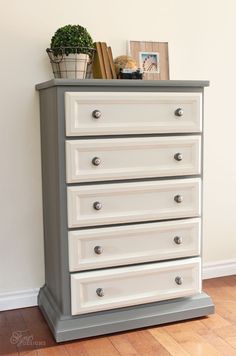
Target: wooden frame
152, 58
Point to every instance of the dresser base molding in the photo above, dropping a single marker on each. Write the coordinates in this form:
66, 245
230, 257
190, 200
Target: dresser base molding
116, 320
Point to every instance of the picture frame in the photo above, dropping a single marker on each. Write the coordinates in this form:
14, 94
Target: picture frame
152, 58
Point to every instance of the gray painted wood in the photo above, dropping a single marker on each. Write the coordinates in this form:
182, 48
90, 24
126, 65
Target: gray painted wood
123, 83
54, 297
111, 321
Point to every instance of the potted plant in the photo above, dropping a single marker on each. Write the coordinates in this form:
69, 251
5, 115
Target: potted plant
71, 52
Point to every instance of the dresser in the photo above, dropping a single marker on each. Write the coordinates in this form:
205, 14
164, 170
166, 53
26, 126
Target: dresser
122, 204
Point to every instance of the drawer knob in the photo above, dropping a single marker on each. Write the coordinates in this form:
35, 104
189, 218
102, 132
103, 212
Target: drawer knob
179, 112
179, 198
97, 205
96, 161
179, 280
178, 156
96, 114
100, 292
98, 250
178, 240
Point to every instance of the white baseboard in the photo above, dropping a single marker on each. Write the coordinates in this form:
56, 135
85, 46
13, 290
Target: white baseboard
219, 269
29, 298
19, 299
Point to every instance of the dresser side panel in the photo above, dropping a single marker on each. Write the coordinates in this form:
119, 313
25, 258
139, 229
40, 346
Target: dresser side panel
51, 196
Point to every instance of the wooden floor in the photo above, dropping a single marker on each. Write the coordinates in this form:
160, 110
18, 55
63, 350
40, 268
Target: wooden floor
24, 332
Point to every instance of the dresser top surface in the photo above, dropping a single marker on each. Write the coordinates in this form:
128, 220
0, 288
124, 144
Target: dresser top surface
123, 83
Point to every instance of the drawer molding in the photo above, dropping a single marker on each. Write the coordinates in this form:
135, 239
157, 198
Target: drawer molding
120, 287
132, 202
132, 113
124, 245
107, 159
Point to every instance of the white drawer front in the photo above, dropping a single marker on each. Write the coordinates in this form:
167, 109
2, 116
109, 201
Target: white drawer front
130, 113
121, 245
104, 159
128, 202
120, 287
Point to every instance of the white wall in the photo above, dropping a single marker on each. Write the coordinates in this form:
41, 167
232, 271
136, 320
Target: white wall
201, 36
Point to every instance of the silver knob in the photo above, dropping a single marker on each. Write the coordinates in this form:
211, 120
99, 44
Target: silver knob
179, 280
96, 161
178, 240
178, 156
179, 112
98, 250
97, 205
100, 292
96, 114
179, 198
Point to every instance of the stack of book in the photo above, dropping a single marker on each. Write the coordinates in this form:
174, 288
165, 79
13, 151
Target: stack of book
103, 66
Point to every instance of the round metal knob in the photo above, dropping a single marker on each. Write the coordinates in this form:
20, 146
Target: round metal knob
97, 205
100, 292
178, 156
179, 198
179, 280
179, 112
178, 240
96, 114
98, 250
96, 161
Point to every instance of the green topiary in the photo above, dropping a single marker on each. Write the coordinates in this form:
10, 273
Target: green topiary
73, 39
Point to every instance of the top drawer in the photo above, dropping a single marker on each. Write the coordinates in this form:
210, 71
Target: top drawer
131, 113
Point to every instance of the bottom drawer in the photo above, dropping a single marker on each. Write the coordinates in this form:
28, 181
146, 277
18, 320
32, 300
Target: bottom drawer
124, 286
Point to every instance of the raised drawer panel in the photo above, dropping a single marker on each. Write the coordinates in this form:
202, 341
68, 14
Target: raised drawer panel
123, 245
130, 202
120, 287
106, 159
132, 113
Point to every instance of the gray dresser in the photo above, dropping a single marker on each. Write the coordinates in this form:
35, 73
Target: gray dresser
122, 204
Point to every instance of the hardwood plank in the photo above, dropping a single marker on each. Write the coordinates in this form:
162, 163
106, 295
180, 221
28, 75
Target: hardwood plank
59, 350
227, 310
184, 326
221, 345
194, 344
228, 334
76, 348
42, 336
225, 332
32, 315
28, 353
123, 345
100, 347
145, 344
3, 319
6, 346
232, 342
26, 343
20, 335
168, 342
14, 318
230, 280
214, 288
215, 321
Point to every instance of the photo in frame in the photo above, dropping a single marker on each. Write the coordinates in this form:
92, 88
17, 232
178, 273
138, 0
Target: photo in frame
152, 58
